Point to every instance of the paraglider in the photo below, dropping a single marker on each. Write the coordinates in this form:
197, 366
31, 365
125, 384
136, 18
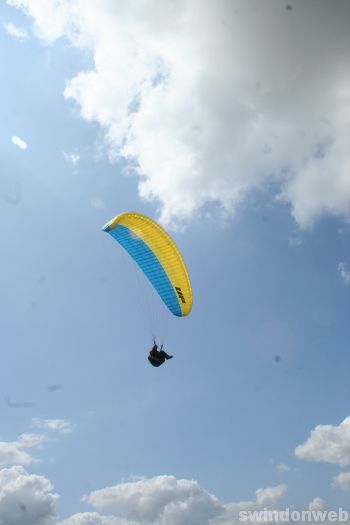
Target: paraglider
157, 357
157, 255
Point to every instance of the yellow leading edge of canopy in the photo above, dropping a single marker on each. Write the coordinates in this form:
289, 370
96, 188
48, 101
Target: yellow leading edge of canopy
164, 248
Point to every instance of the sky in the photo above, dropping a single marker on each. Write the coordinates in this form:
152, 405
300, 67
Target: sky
228, 121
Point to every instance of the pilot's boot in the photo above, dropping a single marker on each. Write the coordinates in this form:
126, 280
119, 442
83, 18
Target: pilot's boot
164, 354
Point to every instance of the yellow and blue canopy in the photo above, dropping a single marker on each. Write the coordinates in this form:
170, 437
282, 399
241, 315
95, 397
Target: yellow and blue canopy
157, 255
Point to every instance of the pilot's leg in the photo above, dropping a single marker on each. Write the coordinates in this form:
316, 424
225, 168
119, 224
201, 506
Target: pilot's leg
165, 355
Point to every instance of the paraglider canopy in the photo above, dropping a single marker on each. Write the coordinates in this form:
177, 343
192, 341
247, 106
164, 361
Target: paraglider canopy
157, 255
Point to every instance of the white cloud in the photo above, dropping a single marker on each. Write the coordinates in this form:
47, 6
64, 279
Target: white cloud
345, 228
11, 452
58, 425
15, 452
282, 467
94, 518
97, 203
30, 440
165, 500
16, 32
26, 498
322, 186
344, 270
19, 142
162, 499
270, 495
342, 481
213, 100
295, 240
317, 504
327, 444
72, 157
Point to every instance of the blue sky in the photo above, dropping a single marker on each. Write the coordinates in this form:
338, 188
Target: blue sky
215, 135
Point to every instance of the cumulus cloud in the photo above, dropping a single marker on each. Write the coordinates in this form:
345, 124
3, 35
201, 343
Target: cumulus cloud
271, 495
15, 452
16, 32
342, 481
317, 504
19, 142
58, 425
162, 499
209, 101
344, 271
30, 440
11, 452
94, 518
327, 444
26, 498
166, 500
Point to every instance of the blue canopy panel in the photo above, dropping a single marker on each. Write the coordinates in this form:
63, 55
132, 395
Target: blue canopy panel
149, 264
